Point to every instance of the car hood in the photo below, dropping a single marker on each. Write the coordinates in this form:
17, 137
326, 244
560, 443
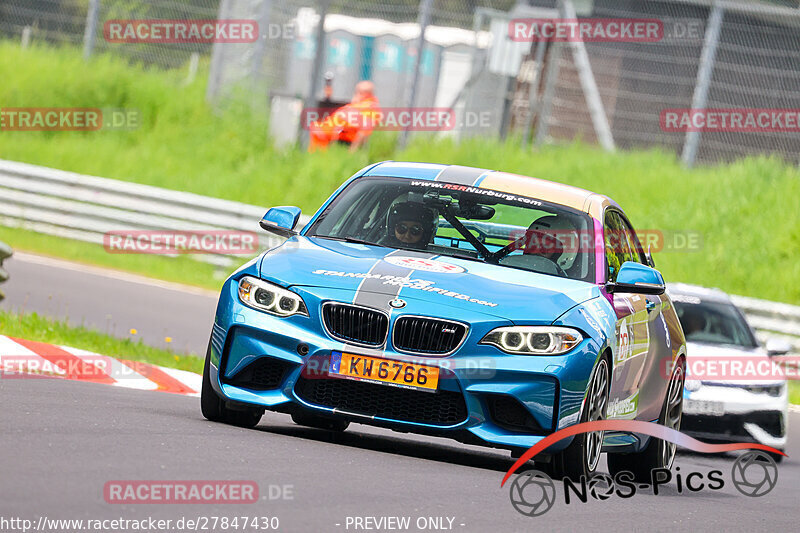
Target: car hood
696, 351
380, 274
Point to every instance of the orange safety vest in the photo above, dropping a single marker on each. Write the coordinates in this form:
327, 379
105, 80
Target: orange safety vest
345, 123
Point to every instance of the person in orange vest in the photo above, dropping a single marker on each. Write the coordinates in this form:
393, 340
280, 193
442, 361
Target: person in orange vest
351, 124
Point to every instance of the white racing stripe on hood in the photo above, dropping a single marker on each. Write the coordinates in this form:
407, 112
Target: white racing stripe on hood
375, 292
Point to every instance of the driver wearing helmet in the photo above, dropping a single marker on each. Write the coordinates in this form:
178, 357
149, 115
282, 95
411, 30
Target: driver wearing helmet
410, 225
692, 322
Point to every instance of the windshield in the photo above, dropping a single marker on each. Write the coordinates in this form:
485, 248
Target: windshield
712, 322
459, 221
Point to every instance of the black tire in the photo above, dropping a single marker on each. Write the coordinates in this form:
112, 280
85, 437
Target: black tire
580, 458
319, 422
776, 456
658, 453
214, 408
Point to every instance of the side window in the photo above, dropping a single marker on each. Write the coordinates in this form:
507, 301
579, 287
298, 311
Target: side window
635, 244
633, 241
619, 244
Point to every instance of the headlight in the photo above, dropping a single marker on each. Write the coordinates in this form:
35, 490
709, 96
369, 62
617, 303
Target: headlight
533, 340
772, 390
267, 297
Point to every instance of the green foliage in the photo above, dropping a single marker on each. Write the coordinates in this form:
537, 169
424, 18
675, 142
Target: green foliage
745, 211
38, 328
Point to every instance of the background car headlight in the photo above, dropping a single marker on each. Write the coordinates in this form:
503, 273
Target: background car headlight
533, 340
264, 296
772, 390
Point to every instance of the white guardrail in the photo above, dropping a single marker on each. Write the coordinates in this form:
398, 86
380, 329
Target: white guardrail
772, 319
85, 208
81, 207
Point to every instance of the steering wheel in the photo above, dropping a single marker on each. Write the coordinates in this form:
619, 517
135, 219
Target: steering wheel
520, 243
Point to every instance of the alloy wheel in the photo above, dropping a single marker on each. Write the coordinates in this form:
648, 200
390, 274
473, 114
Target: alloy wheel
596, 403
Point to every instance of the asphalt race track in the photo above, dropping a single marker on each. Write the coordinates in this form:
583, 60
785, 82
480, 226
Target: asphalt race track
61, 441
111, 302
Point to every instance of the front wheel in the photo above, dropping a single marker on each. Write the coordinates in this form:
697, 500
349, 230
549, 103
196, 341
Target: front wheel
213, 407
776, 456
581, 457
658, 453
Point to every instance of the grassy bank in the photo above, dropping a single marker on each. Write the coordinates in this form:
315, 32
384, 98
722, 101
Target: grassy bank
744, 212
37, 328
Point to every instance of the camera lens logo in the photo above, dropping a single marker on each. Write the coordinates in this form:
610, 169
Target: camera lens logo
601, 486
533, 493
754, 473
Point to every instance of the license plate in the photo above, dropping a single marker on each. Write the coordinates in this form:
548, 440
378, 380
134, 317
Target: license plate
374, 369
703, 407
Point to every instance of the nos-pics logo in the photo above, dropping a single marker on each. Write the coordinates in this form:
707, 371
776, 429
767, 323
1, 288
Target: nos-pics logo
533, 493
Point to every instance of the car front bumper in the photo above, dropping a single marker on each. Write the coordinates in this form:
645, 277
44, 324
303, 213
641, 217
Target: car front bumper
484, 396
736, 414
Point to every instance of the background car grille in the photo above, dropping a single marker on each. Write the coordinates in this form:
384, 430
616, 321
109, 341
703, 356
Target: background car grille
427, 335
443, 408
732, 425
350, 323
264, 373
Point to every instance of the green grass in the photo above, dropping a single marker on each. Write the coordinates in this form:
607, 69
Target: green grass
746, 211
794, 392
37, 328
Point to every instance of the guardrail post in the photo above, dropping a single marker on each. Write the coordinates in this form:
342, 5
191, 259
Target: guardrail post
591, 92
551, 77
423, 20
533, 93
90, 33
260, 46
316, 69
26, 37
704, 72
217, 67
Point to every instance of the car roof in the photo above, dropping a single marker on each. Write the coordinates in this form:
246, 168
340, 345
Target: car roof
703, 293
549, 191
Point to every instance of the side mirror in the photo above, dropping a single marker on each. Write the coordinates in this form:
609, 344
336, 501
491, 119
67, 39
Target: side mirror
776, 347
637, 278
281, 220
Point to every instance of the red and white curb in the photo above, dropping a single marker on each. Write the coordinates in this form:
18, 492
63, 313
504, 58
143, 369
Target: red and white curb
24, 359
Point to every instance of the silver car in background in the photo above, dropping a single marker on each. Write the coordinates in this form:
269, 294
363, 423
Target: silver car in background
721, 409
